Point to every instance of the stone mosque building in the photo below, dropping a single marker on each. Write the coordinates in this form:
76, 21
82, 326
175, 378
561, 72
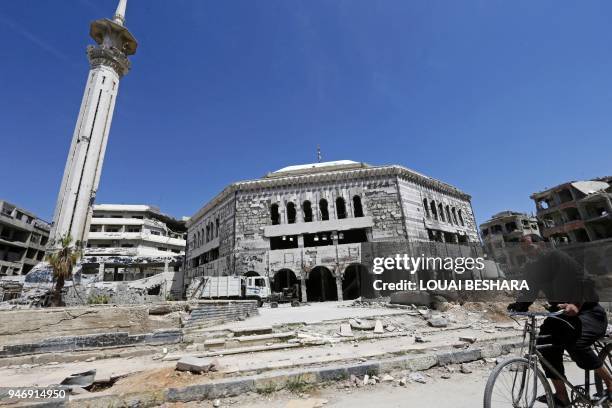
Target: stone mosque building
319, 225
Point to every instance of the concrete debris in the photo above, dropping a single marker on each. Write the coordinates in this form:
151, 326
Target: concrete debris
403, 381
366, 379
465, 369
440, 303
468, 339
83, 380
390, 328
438, 322
196, 365
378, 327
216, 403
345, 330
417, 377
419, 339
445, 376
387, 378
359, 324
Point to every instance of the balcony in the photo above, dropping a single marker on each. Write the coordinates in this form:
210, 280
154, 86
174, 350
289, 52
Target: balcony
317, 226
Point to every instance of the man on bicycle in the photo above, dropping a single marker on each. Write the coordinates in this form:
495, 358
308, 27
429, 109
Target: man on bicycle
564, 283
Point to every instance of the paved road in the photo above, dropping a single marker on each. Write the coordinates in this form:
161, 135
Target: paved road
460, 391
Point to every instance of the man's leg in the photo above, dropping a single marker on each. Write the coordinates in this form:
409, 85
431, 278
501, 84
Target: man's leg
554, 355
594, 323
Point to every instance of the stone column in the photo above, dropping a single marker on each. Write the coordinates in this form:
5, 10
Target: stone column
101, 271
339, 287
166, 265
300, 241
303, 289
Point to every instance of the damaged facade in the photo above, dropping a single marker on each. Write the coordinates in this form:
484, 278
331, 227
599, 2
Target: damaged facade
130, 242
501, 235
319, 225
575, 212
23, 238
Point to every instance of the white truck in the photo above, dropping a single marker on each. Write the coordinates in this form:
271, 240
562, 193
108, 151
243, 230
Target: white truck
234, 287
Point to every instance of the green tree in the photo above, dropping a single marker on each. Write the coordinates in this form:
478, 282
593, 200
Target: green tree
62, 262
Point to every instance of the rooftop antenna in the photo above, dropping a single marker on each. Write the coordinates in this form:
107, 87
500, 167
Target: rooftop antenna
319, 154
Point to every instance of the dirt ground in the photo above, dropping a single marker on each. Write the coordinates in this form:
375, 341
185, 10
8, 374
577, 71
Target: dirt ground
458, 391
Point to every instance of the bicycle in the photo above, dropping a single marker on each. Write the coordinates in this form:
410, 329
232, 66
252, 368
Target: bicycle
518, 381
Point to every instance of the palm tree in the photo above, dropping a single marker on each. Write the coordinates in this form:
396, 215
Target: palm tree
62, 262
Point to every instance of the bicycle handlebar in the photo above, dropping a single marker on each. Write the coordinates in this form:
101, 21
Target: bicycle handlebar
537, 314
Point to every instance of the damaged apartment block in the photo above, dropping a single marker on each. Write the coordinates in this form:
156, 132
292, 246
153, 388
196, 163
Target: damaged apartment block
574, 212
23, 238
135, 243
501, 235
317, 226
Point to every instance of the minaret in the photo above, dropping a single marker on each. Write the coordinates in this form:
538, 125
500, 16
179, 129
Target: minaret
109, 62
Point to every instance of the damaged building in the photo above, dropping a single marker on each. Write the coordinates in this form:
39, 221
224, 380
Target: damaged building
132, 242
319, 226
501, 235
23, 238
577, 211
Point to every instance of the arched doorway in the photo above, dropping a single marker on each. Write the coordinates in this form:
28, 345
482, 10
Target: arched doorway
284, 278
251, 274
285, 281
321, 285
356, 282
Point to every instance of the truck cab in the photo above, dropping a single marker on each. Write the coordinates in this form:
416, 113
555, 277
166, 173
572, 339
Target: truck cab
257, 287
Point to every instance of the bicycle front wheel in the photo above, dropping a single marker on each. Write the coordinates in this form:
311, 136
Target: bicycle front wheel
516, 383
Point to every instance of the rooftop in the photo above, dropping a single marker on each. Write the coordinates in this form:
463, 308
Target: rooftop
316, 168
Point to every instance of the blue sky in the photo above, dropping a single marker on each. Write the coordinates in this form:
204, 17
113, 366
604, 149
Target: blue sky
499, 98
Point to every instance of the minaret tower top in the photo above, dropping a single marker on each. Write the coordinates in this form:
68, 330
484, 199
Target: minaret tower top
114, 40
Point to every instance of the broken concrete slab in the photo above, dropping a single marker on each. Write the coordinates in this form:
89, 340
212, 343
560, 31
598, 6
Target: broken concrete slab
82, 380
438, 322
359, 324
345, 330
378, 327
196, 365
417, 377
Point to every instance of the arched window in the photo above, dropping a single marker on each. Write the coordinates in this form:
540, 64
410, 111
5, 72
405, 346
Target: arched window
461, 218
434, 212
207, 232
202, 238
448, 215
426, 208
340, 208
217, 228
357, 208
291, 213
441, 212
323, 210
197, 239
274, 214
212, 230
454, 211
307, 209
